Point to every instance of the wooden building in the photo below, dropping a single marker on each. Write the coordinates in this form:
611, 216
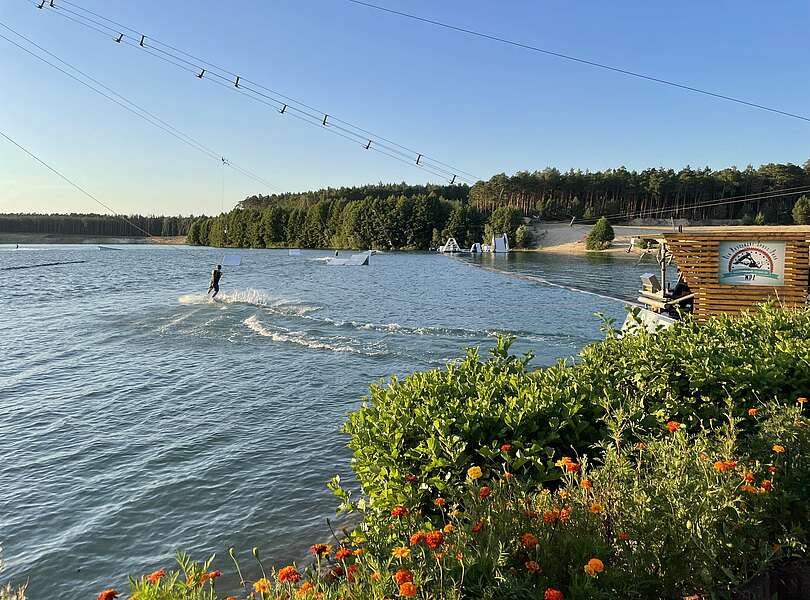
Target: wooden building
729, 269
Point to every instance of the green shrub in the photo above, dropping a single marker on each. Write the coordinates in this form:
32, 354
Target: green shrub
801, 211
601, 235
523, 237
434, 425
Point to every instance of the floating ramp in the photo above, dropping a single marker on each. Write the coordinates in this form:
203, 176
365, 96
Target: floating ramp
355, 260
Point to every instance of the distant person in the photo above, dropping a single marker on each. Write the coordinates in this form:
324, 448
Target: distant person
336, 252
216, 274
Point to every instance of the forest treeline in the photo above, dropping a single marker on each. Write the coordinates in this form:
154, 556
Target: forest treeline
400, 216
652, 193
94, 224
394, 222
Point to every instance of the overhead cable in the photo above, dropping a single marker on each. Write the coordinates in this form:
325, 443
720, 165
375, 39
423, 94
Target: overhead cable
284, 104
584, 61
114, 96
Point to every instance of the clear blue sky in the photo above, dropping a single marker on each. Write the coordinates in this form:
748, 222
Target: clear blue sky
482, 106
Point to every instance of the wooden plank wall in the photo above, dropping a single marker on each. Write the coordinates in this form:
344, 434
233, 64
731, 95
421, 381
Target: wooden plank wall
697, 254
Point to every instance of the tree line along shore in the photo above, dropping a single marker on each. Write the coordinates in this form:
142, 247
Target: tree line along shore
402, 216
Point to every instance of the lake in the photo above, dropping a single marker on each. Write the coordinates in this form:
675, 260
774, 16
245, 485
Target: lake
139, 418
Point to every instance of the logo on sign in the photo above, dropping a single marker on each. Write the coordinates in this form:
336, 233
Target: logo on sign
752, 263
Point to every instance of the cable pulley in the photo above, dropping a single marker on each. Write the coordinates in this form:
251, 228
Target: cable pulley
368, 145
418, 158
143, 38
325, 117
201, 73
119, 38
283, 110
236, 83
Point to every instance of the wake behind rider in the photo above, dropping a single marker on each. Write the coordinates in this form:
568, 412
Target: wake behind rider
216, 274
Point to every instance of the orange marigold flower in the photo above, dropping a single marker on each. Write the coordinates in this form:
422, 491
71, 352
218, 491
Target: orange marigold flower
772, 469
376, 576
565, 460
594, 567
596, 507
474, 473
289, 574
479, 525
550, 516
156, 576
440, 502
359, 551
439, 556
434, 539
767, 485
506, 447
529, 540
210, 575
748, 477
624, 536
403, 576
532, 566
508, 476
721, 466
673, 426
401, 552
552, 594
753, 412
109, 594
230, 598
448, 528
459, 556
407, 590
262, 585
411, 478
399, 511
641, 446
749, 488
305, 589
484, 492
565, 515
572, 467
351, 573
320, 550
342, 553
563, 494
586, 484
417, 538
801, 400
778, 449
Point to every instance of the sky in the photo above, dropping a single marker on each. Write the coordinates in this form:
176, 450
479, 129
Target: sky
483, 107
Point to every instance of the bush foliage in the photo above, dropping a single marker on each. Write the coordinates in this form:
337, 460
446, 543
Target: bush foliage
601, 235
435, 424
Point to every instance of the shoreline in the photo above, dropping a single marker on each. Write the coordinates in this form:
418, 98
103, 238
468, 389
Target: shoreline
61, 238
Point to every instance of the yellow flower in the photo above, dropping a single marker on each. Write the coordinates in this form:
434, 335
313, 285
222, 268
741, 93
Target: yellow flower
262, 586
595, 507
474, 473
801, 400
448, 528
401, 552
565, 460
778, 449
563, 494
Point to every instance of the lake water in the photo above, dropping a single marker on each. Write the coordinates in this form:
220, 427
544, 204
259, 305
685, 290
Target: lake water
137, 418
